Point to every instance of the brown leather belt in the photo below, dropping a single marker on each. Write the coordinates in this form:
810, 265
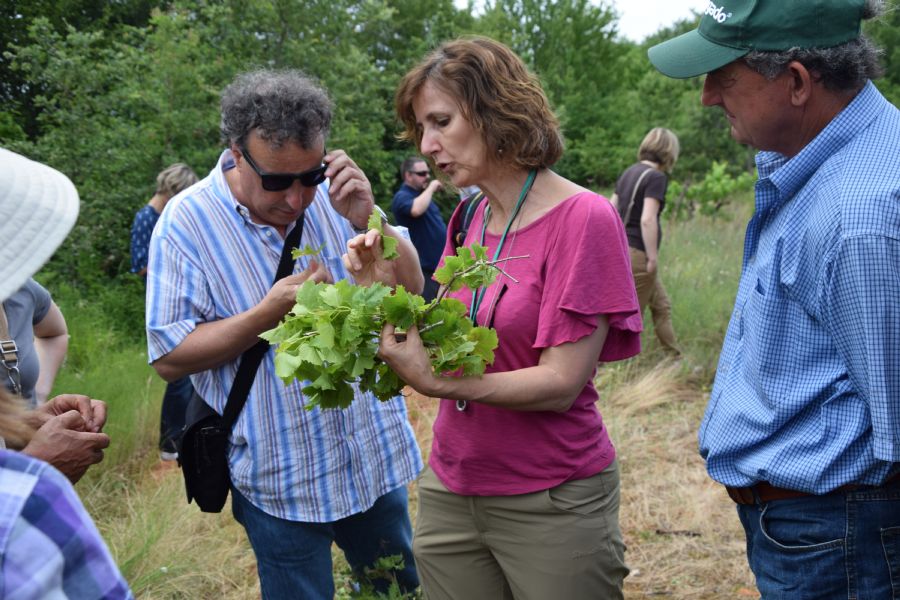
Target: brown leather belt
765, 492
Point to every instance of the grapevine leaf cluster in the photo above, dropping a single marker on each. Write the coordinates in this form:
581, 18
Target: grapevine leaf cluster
330, 337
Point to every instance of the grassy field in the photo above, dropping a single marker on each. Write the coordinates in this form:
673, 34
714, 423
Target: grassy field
683, 537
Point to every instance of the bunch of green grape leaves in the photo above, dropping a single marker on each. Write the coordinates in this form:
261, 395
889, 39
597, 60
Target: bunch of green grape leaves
330, 337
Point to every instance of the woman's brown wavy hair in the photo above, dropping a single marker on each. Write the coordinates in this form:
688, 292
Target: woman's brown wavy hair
496, 93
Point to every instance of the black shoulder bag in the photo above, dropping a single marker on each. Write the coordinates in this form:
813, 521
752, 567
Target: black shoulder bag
466, 209
203, 446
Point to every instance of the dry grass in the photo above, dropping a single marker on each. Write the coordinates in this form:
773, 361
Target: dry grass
168, 549
682, 533
683, 536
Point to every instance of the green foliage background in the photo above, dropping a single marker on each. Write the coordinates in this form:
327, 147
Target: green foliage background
112, 91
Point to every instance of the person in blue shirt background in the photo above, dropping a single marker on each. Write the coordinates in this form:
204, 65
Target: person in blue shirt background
414, 208
803, 423
169, 183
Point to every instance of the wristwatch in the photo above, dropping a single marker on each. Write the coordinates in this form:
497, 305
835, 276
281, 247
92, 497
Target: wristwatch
384, 221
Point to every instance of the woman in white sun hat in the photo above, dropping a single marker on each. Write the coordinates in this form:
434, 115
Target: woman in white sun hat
49, 544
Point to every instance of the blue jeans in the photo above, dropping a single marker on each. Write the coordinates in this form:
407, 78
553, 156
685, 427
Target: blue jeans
293, 558
843, 545
171, 418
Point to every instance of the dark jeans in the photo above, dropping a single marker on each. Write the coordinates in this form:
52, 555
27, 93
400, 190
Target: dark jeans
171, 419
431, 286
293, 558
844, 545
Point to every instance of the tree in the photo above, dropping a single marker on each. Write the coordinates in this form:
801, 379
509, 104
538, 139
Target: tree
571, 45
17, 93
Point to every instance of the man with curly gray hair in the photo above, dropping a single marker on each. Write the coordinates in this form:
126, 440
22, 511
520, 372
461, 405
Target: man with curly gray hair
300, 479
803, 423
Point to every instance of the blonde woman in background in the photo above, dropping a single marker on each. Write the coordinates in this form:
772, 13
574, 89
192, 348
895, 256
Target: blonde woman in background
640, 197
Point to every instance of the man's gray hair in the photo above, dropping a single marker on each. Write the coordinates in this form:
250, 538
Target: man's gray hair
842, 68
283, 105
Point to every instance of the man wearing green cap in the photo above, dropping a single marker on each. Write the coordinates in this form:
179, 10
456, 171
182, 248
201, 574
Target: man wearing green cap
803, 423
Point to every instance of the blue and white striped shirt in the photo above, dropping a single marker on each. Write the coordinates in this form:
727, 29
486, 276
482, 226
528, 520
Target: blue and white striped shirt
209, 261
807, 392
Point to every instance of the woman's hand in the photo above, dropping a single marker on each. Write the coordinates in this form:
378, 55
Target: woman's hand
365, 262
406, 356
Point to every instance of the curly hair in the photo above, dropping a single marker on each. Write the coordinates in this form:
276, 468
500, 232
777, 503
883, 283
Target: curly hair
280, 105
842, 68
496, 93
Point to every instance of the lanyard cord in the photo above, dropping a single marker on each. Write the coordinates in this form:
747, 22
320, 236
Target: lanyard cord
478, 295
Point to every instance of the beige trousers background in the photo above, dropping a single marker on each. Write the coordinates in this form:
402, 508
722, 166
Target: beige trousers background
558, 544
650, 292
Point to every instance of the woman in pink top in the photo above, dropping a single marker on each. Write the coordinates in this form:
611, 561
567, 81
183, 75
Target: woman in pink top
522, 495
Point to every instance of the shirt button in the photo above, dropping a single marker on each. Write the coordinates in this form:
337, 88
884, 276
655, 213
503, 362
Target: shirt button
268, 233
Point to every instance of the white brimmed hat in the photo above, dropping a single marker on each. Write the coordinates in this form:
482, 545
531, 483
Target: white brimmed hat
38, 208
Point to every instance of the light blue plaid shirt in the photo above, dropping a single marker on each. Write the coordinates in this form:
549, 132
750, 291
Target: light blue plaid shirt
807, 391
209, 261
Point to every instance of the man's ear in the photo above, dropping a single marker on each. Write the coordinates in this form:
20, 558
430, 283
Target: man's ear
801, 82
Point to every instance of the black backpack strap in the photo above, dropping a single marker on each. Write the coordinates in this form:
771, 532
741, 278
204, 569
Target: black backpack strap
251, 358
466, 209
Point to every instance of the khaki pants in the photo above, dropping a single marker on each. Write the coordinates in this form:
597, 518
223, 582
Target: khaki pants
650, 291
559, 544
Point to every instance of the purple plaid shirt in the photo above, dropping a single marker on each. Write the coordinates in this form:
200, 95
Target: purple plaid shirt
49, 546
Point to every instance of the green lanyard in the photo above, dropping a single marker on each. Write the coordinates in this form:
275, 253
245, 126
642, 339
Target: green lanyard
478, 295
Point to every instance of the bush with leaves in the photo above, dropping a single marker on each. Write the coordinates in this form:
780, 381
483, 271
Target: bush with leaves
330, 337
709, 195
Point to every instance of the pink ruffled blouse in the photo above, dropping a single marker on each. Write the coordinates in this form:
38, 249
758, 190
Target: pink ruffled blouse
577, 268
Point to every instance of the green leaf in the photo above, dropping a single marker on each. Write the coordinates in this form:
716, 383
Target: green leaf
308, 295
325, 339
400, 308
389, 247
388, 244
286, 364
307, 250
485, 341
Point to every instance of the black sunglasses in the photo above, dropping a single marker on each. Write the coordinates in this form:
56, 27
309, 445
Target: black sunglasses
421, 173
276, 182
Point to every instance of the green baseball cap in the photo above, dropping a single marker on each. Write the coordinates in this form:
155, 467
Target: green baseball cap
729, 29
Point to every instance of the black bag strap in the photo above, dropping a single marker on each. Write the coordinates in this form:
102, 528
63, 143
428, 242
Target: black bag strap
467, 207
251, 357
634, 195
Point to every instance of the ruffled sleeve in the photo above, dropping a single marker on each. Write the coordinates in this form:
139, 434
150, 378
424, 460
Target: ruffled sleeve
588, 273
